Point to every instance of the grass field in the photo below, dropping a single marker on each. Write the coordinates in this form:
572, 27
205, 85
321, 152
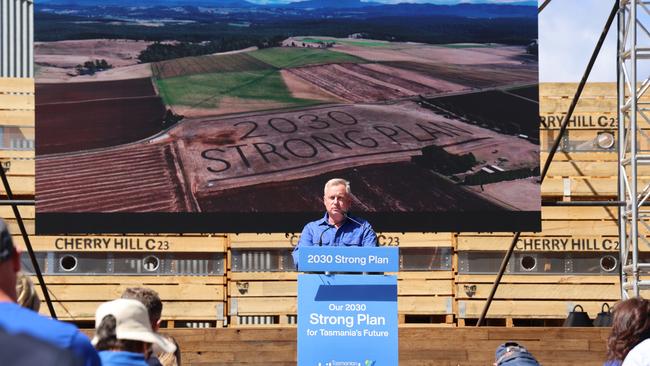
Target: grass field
349, 42
286, 57
206, 90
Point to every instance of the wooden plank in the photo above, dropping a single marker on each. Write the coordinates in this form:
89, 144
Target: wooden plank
527, 291
526, 308
20, 185
580, 156
414, 240
425, 287
241, 241
107, 292
261, 276
132, 280
17, 85
17, 101
17, 154
262, 288
579, 213
215, 244
423, 275
21, 167
554, 186
567, 90
263, 306
539, 279
541, 244
177, 310
17, 118
425, 304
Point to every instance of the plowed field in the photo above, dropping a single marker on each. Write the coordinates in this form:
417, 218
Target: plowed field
207, 64
76, 92
139, 178
370, 82
66, 127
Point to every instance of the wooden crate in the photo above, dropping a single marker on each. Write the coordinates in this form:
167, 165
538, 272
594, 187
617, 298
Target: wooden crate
185, 298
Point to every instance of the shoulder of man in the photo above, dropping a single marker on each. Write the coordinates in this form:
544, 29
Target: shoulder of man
16, 319
24, 350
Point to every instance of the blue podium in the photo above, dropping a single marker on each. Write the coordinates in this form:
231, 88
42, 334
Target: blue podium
347, 319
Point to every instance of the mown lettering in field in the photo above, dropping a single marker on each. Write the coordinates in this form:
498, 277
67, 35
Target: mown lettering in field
567, 244
555, 121
308, 136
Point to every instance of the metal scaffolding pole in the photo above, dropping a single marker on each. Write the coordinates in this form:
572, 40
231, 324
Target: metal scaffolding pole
633, 147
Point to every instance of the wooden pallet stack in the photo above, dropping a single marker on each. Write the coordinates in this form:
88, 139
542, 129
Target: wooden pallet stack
574, 259
261, 280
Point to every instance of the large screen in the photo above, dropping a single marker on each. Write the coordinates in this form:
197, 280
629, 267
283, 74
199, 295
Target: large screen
230, 115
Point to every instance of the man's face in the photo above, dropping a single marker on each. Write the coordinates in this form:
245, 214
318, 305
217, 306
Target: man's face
337, 201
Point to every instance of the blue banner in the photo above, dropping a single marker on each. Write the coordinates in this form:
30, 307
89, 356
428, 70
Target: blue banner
348, 259
347, 320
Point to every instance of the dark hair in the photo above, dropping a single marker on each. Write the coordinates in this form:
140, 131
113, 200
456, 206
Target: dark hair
149, 298
107, 341
631, 326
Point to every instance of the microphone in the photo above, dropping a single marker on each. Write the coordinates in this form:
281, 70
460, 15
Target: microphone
351, 219
320, 240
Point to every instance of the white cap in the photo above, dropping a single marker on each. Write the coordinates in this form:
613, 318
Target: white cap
131, 323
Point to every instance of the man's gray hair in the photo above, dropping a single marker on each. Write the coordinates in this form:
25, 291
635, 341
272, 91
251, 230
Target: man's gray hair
338, 182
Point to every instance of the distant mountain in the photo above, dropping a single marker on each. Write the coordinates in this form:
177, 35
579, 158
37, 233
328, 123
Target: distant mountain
148, 3
464, 10
330, 4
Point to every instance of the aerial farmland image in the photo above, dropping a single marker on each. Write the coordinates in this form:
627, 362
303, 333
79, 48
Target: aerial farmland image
229, 115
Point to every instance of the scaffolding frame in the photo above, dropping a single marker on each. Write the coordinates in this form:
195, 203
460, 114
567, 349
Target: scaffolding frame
633, 50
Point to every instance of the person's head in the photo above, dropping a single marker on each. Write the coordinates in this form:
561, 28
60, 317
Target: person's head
630, 326
9, 265
170, 359
27, 296
337, 198
123, 325
513, 354
150, 299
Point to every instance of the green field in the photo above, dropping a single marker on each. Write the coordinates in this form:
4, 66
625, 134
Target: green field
349, 42
285, 57
206, 90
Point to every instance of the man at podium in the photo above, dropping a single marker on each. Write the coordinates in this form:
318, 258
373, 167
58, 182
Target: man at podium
336, 227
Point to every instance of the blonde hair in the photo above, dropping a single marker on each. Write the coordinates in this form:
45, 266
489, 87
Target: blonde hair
337, 182
170, 359
27, 296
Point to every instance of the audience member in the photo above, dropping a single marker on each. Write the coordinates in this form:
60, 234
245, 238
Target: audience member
23, 350
150, 299
16, 319
169, 358
124, 335
629, 340
514, 354
26, 292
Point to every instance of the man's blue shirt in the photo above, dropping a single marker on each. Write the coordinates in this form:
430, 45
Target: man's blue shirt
355, 231
16, 319
122, 358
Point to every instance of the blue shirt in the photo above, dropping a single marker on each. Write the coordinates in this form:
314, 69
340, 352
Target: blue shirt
16, 319
355, 231
122, 358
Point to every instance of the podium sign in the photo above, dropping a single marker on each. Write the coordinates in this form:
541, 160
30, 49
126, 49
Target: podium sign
348, 259
347, 320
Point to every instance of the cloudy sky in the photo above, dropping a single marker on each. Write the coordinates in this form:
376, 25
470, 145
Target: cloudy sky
568, 32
